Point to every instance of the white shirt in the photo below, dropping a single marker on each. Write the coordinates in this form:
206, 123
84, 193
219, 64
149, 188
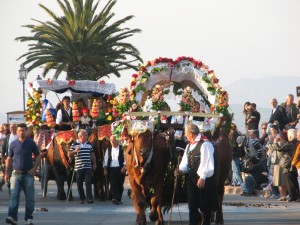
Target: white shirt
114, 157
12, 137
206, 167
59, 115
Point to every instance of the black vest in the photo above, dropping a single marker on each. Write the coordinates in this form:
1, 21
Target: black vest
120, 157
66, 118
194, 158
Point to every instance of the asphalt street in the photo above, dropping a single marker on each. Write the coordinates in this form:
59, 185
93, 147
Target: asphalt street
237, 210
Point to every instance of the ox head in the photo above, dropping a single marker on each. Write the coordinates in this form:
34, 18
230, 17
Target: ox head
141, 135
143, 144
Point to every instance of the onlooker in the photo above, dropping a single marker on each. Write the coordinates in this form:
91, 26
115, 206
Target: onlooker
256, 175
278, 114
246, 110
274, 132
115, 169
84, 157
64, 115
2, 138
289, 170
279, 178
251, 146
296, 157
236, 155
198, 162
253, 120
23, 171
10, 137
263, 140
291, 111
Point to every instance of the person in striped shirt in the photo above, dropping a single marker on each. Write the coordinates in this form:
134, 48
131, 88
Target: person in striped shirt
85, 163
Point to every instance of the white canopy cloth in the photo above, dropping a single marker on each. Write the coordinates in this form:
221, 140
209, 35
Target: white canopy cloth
78, 86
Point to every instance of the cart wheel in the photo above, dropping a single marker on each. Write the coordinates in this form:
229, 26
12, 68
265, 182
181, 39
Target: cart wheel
44, 176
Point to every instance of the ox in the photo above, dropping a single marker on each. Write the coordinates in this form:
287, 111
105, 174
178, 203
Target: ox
99, 147
58, 157
223, 156
147, 157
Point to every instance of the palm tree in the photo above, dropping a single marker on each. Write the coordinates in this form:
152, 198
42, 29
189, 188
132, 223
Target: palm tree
81, 42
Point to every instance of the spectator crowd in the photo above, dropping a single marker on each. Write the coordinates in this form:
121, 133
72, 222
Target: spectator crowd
269, 159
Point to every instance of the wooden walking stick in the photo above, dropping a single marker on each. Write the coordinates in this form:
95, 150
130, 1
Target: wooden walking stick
70, 188
175, 185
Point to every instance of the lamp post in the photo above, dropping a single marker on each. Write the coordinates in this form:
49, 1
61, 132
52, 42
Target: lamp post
38, 77
22, 77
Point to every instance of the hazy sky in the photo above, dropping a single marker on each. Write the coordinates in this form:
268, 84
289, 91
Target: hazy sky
235, 38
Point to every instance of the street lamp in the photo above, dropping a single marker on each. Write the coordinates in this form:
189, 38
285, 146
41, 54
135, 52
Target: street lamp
22, 77
38, 77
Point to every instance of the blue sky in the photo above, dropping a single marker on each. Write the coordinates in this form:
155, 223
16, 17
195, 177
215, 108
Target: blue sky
235, 38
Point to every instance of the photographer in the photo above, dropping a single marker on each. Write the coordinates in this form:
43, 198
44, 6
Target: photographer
256, 175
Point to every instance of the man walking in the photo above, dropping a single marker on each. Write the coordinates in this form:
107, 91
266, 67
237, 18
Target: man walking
83, 165
115, 169
198, 162
23, 171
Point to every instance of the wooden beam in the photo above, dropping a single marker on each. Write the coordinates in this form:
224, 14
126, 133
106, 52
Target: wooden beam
169, 113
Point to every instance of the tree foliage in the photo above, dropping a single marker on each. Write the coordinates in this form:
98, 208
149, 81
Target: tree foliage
82, 43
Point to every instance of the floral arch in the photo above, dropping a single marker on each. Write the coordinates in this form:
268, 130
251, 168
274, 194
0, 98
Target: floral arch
183, 73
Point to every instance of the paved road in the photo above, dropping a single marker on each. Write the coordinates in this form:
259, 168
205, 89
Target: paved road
271, 212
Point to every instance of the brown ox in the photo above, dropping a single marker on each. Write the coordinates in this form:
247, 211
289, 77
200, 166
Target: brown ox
60, 162
147, 158
223, 156
99, 181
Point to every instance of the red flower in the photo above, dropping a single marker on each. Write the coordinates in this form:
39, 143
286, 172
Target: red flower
149, 63
101, 82
216, 80
133, 83
211, 71
170, 65
134, 75
143, 69
49, 81
71, 82
109, 97
30, 84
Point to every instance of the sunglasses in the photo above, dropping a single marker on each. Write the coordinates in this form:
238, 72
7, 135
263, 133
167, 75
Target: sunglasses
263, 128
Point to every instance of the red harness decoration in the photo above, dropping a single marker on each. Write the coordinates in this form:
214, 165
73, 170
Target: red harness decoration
63, 157
104, 132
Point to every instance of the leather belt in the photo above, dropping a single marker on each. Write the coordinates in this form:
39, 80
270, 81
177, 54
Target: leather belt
18, 172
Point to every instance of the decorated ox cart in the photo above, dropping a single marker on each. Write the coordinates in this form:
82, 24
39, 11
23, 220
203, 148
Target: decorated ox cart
54, 145
149, 124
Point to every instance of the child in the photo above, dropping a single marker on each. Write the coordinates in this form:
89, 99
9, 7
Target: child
85, 120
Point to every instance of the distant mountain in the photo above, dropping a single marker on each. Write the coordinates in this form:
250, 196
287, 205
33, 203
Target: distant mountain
259, 91
262, 90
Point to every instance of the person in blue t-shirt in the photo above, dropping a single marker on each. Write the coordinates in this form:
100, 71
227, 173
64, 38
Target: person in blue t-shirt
23, 170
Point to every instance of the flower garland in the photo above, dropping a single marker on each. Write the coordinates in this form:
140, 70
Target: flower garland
125, 100
187, 100
34, 110
157, 98
108, 111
